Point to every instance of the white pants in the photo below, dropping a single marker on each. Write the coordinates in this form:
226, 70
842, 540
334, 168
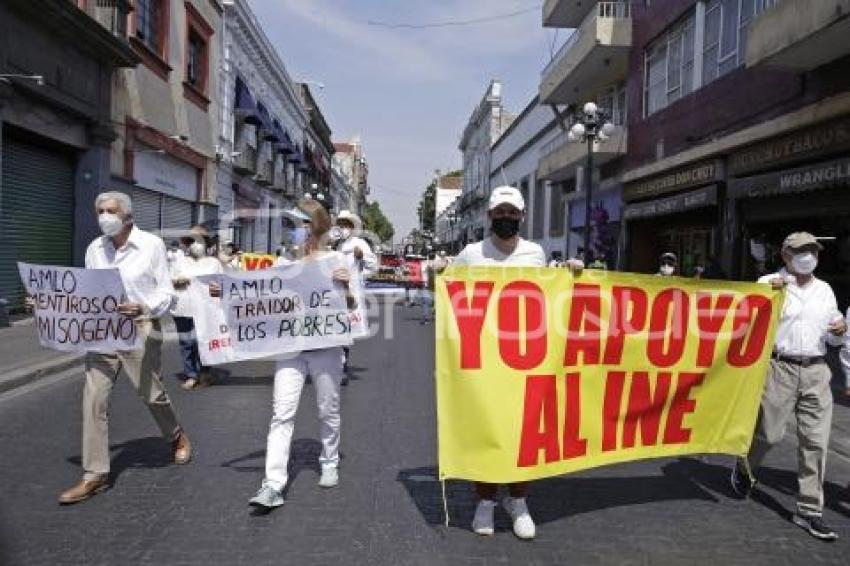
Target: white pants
325, 367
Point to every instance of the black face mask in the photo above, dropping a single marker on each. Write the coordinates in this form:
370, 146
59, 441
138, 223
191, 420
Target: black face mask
505, 227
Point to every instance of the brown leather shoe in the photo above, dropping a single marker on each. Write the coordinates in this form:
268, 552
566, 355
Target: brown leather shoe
182, 449
83, 490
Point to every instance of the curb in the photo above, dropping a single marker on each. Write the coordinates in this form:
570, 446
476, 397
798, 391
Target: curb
27, 375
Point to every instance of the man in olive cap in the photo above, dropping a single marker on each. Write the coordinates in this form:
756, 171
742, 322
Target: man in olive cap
798, 381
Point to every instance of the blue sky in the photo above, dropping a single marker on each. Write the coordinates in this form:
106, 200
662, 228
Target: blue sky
407, 92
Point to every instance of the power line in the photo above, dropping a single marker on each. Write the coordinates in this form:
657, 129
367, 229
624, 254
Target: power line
455, 23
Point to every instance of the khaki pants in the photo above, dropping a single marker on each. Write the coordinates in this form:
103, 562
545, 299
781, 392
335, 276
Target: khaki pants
144, 368
805, 392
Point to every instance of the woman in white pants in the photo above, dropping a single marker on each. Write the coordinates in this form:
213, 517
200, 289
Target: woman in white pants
325, 368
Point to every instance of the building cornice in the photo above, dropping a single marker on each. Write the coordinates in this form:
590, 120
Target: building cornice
251, 34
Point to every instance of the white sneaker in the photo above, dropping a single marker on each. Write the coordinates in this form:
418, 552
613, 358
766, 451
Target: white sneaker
330, 477
482, 523
523, 523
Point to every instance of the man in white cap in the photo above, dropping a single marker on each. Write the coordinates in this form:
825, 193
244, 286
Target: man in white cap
798, 381
362, 260
506, 211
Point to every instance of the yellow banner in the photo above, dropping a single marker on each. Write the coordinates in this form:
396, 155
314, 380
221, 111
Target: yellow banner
253, 262
540, 373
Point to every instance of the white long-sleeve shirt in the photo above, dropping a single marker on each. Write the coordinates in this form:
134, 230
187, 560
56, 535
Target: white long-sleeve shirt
143, 266
806, 314
364, 267
189, 267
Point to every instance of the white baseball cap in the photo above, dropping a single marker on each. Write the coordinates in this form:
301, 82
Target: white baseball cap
506, 195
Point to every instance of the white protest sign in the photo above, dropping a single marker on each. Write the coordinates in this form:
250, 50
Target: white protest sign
76, 310
358, 317
275, 311
214, 344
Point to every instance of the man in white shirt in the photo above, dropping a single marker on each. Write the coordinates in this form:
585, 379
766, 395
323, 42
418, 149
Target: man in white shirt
798, 381
506, 211
361, 259
140, 258
196, 262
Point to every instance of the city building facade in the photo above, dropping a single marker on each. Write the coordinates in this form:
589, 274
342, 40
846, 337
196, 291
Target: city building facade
446, 193
263, 166
55, 128
591, 66
349, 159
485, 125
742, 134
166, 113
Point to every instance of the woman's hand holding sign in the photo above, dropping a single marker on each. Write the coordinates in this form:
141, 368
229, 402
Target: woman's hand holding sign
341, 275
215, 289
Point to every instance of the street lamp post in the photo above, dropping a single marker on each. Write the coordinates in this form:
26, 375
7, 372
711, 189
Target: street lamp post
590, 125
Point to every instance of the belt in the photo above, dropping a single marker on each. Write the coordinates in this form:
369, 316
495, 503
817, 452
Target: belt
802, 361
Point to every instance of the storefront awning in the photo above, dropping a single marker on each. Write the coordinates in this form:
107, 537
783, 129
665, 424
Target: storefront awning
269, 133
822, 175
244, 105
700, 198
284, 145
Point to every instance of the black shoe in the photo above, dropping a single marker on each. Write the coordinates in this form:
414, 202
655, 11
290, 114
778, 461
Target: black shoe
816, 527
344, 380
742, 483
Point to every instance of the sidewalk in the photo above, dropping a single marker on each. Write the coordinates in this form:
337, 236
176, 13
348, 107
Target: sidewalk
23, 361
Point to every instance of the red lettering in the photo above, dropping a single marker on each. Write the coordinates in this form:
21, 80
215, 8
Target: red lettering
512, 340
680, 405
469, 316
574, 445
709, 321
541, 401
742, 355
669, 319
266, 262
251, 263
645, 408
611, 409
628, 316
214, 345
583, 331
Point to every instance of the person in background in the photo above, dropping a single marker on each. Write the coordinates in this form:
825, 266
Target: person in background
556, 259
140, 258
174, 253
598, 263
325, 365
195, 263
506, 210
230, 256
798, 381
667, 264
361, 259
426, 295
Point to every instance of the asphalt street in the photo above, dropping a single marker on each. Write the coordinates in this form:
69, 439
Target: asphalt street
388, 507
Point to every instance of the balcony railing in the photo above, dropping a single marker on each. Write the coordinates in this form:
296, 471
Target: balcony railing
604, 10
111, 14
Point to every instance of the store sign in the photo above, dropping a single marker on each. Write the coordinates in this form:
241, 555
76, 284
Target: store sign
827, 138
165, 174
694, 175
802, 179
706, 196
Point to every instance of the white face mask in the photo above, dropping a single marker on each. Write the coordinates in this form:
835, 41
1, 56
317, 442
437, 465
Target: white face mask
804, 263
110, 224
667, 270
197, 250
